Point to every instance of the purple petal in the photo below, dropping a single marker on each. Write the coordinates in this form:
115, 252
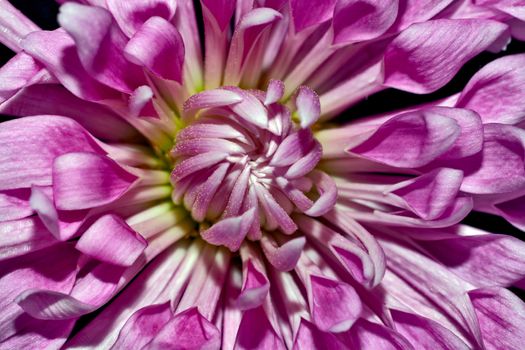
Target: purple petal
500, 166
421, 135
255, 285
14, 204
366, 335
308, 106
56, 51
264, 338
111, 240
495, 91
17, 73
14, 26
196, 163
212, 98
21, 237
158, 46
31, 146
131, 15
427, 55
87, 180
274, 92
187, 330
429, 195
221, 10
358, 20
308, 13
100, 45
484, 260
230, 232
426, 334
308, 335
142, 326
415, 11
328, 194
500, 314
334, 305
285, 257
54, 99
292, 148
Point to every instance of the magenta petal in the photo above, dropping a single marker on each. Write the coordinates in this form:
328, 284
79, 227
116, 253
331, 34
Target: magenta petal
334, 305
501, 315
255, 287
285, 257
222, 11
308, 106
46, 99
17, 73
500, 167
50, 305
230, 232
421, 135
357, 20
14, 204
158, 46
308, 335
495, 92
20, 237
429, 195
513, 211
292, 148
14, 26
211, 98
485, 260
131, 15
366, 335
264, 338
31, 145
87, 180
100, 45
111, 240
142, 326
56, 51
427, 55
274, 92
426, 334
187, 330
328, 194
308, 13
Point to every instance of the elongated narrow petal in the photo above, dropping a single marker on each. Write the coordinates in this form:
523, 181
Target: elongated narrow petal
14, 26
158, 46
86, 180
130, 16
111, 240
420, 61
356, 21
307, 14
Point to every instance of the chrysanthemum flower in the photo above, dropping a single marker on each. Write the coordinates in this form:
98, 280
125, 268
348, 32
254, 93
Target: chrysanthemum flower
176, 181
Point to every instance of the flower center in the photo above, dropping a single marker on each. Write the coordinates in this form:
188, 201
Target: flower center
244, 166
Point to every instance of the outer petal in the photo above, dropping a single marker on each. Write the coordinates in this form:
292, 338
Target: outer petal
421, 135
30, 145
426, 334
357, 20
264, 338
18, 72
366, 335
308, 13
87, 180
111, 240
158, 46
501, 315
501, 165
13, 26
427, 55
100, 45
495, 92
131, 15
187, 330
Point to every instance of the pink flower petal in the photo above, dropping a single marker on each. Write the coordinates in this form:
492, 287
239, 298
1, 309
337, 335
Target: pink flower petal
187, 330
495, 91
14, 26
142, 326
31, 146
357, 20
308, 106
17, 73
274, 92
503, 331
309, 335
87, 180
265, 337
158, 46
422, 135
100, 45
221, 10
430, 194
427, 55
309, 13
112, 241
284, 257
230, 232
130, 16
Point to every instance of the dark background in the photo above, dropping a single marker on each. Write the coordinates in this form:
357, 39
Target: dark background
44, 12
